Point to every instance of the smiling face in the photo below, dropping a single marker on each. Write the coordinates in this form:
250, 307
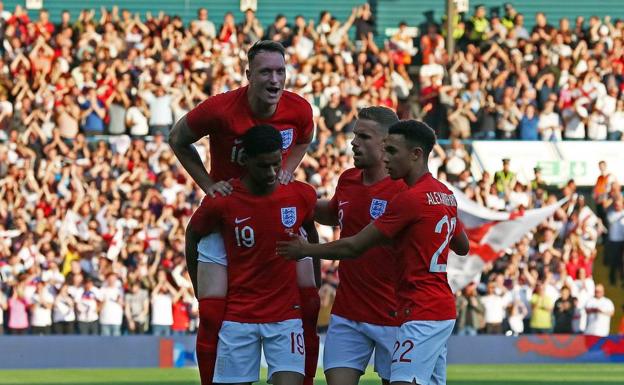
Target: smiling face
266, 75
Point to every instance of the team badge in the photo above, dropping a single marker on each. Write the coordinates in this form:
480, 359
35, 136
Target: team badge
289, 216
377, 207
287, 138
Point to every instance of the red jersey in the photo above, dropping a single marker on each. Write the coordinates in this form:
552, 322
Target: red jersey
262, 286
226, 117
367, 289
422, 220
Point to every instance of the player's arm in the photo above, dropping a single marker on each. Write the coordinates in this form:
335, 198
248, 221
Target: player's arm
313, 237
292, 162
345, 248
181, 139
460, 244
191, 240
325, 214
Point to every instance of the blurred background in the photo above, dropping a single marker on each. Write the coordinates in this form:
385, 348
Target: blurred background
526, 99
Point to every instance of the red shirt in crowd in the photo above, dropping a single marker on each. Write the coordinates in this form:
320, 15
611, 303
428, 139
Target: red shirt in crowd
421, 221
226, 117
262, 286
366, 292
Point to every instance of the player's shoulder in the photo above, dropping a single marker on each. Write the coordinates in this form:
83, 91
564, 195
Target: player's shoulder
295, 101
227, 100
350, 175
302, 189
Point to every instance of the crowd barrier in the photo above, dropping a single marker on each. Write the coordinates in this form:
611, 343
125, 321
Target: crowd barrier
38, 352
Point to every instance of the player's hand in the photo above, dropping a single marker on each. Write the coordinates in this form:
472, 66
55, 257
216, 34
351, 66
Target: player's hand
292, 249
224, 188
285, 176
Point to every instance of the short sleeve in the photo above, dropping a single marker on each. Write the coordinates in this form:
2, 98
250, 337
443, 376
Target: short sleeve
207, 217
458, 228
205, 117
306, 127
397, 216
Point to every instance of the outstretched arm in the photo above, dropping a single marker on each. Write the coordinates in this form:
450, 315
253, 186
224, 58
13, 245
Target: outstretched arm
345, 248
324, 214
460, 244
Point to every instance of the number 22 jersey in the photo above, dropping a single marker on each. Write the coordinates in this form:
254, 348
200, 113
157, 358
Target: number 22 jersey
262, 286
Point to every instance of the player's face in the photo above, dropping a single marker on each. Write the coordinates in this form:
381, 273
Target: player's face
397, 156
367, 144
264, 168
267, 75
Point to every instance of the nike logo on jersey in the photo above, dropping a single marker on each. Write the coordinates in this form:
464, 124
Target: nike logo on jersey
238, 141
237, 221
340, 203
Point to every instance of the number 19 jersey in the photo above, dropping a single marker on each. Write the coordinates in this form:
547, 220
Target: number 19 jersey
422, 220
262, 286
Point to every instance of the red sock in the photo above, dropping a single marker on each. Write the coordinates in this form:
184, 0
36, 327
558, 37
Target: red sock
211, 313
310, 306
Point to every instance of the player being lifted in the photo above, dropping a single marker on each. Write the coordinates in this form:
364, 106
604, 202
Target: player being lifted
225, 118
422, 222
364, 312
263, 309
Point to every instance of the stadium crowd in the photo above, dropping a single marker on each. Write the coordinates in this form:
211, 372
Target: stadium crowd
93, 204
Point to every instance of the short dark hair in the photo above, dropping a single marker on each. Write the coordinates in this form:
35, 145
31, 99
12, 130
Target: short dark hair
265, 45
415, 132
383, 116
261, 139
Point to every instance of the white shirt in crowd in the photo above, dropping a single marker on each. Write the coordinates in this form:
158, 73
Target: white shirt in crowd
616, 122
599, 322
40, 314
162, 309
112, 311
63, 311
494, 308
574, 126
86, 306
3, 301
138, 121
549, 124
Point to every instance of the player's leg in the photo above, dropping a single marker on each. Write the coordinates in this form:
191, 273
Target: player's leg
310, 306
439, 372
238, 353
284, 351
347, 351
385, 338
418, 349
207, 256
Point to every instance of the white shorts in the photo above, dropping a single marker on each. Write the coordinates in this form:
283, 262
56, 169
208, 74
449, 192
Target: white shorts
238, 351
350, 344
420, 352
211, 249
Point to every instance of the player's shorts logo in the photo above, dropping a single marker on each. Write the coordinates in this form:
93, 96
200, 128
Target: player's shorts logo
377, 207
289, 216
287, 138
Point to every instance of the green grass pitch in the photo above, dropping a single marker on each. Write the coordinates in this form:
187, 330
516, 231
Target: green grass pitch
568, 374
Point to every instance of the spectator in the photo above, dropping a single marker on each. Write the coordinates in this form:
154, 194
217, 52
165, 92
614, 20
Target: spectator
528, 124
494, 314
181, 313
136, 308
470, 312
87, 308
517, 314
564, 312
206, 27
599, 310
251, 27
615, 245
3, 308
162, 306
111, 313
160, 112
41, 310
542, 310
63, 312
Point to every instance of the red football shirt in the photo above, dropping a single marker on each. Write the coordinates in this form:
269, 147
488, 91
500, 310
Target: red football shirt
262, 286
422, 220
367, 289
226, 117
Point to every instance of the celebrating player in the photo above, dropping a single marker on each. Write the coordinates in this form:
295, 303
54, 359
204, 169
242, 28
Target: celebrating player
422, 221
364, 312
225, 118
263, 309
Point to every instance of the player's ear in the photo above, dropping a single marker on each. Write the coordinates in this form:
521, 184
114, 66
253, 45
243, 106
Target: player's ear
416, 152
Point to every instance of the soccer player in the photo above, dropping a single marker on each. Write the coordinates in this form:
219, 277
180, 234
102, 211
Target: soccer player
225, 118
263, 309
364, 313
422, 222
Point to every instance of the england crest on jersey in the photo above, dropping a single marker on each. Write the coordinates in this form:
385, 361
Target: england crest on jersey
377, 207
287, 138
289, 216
